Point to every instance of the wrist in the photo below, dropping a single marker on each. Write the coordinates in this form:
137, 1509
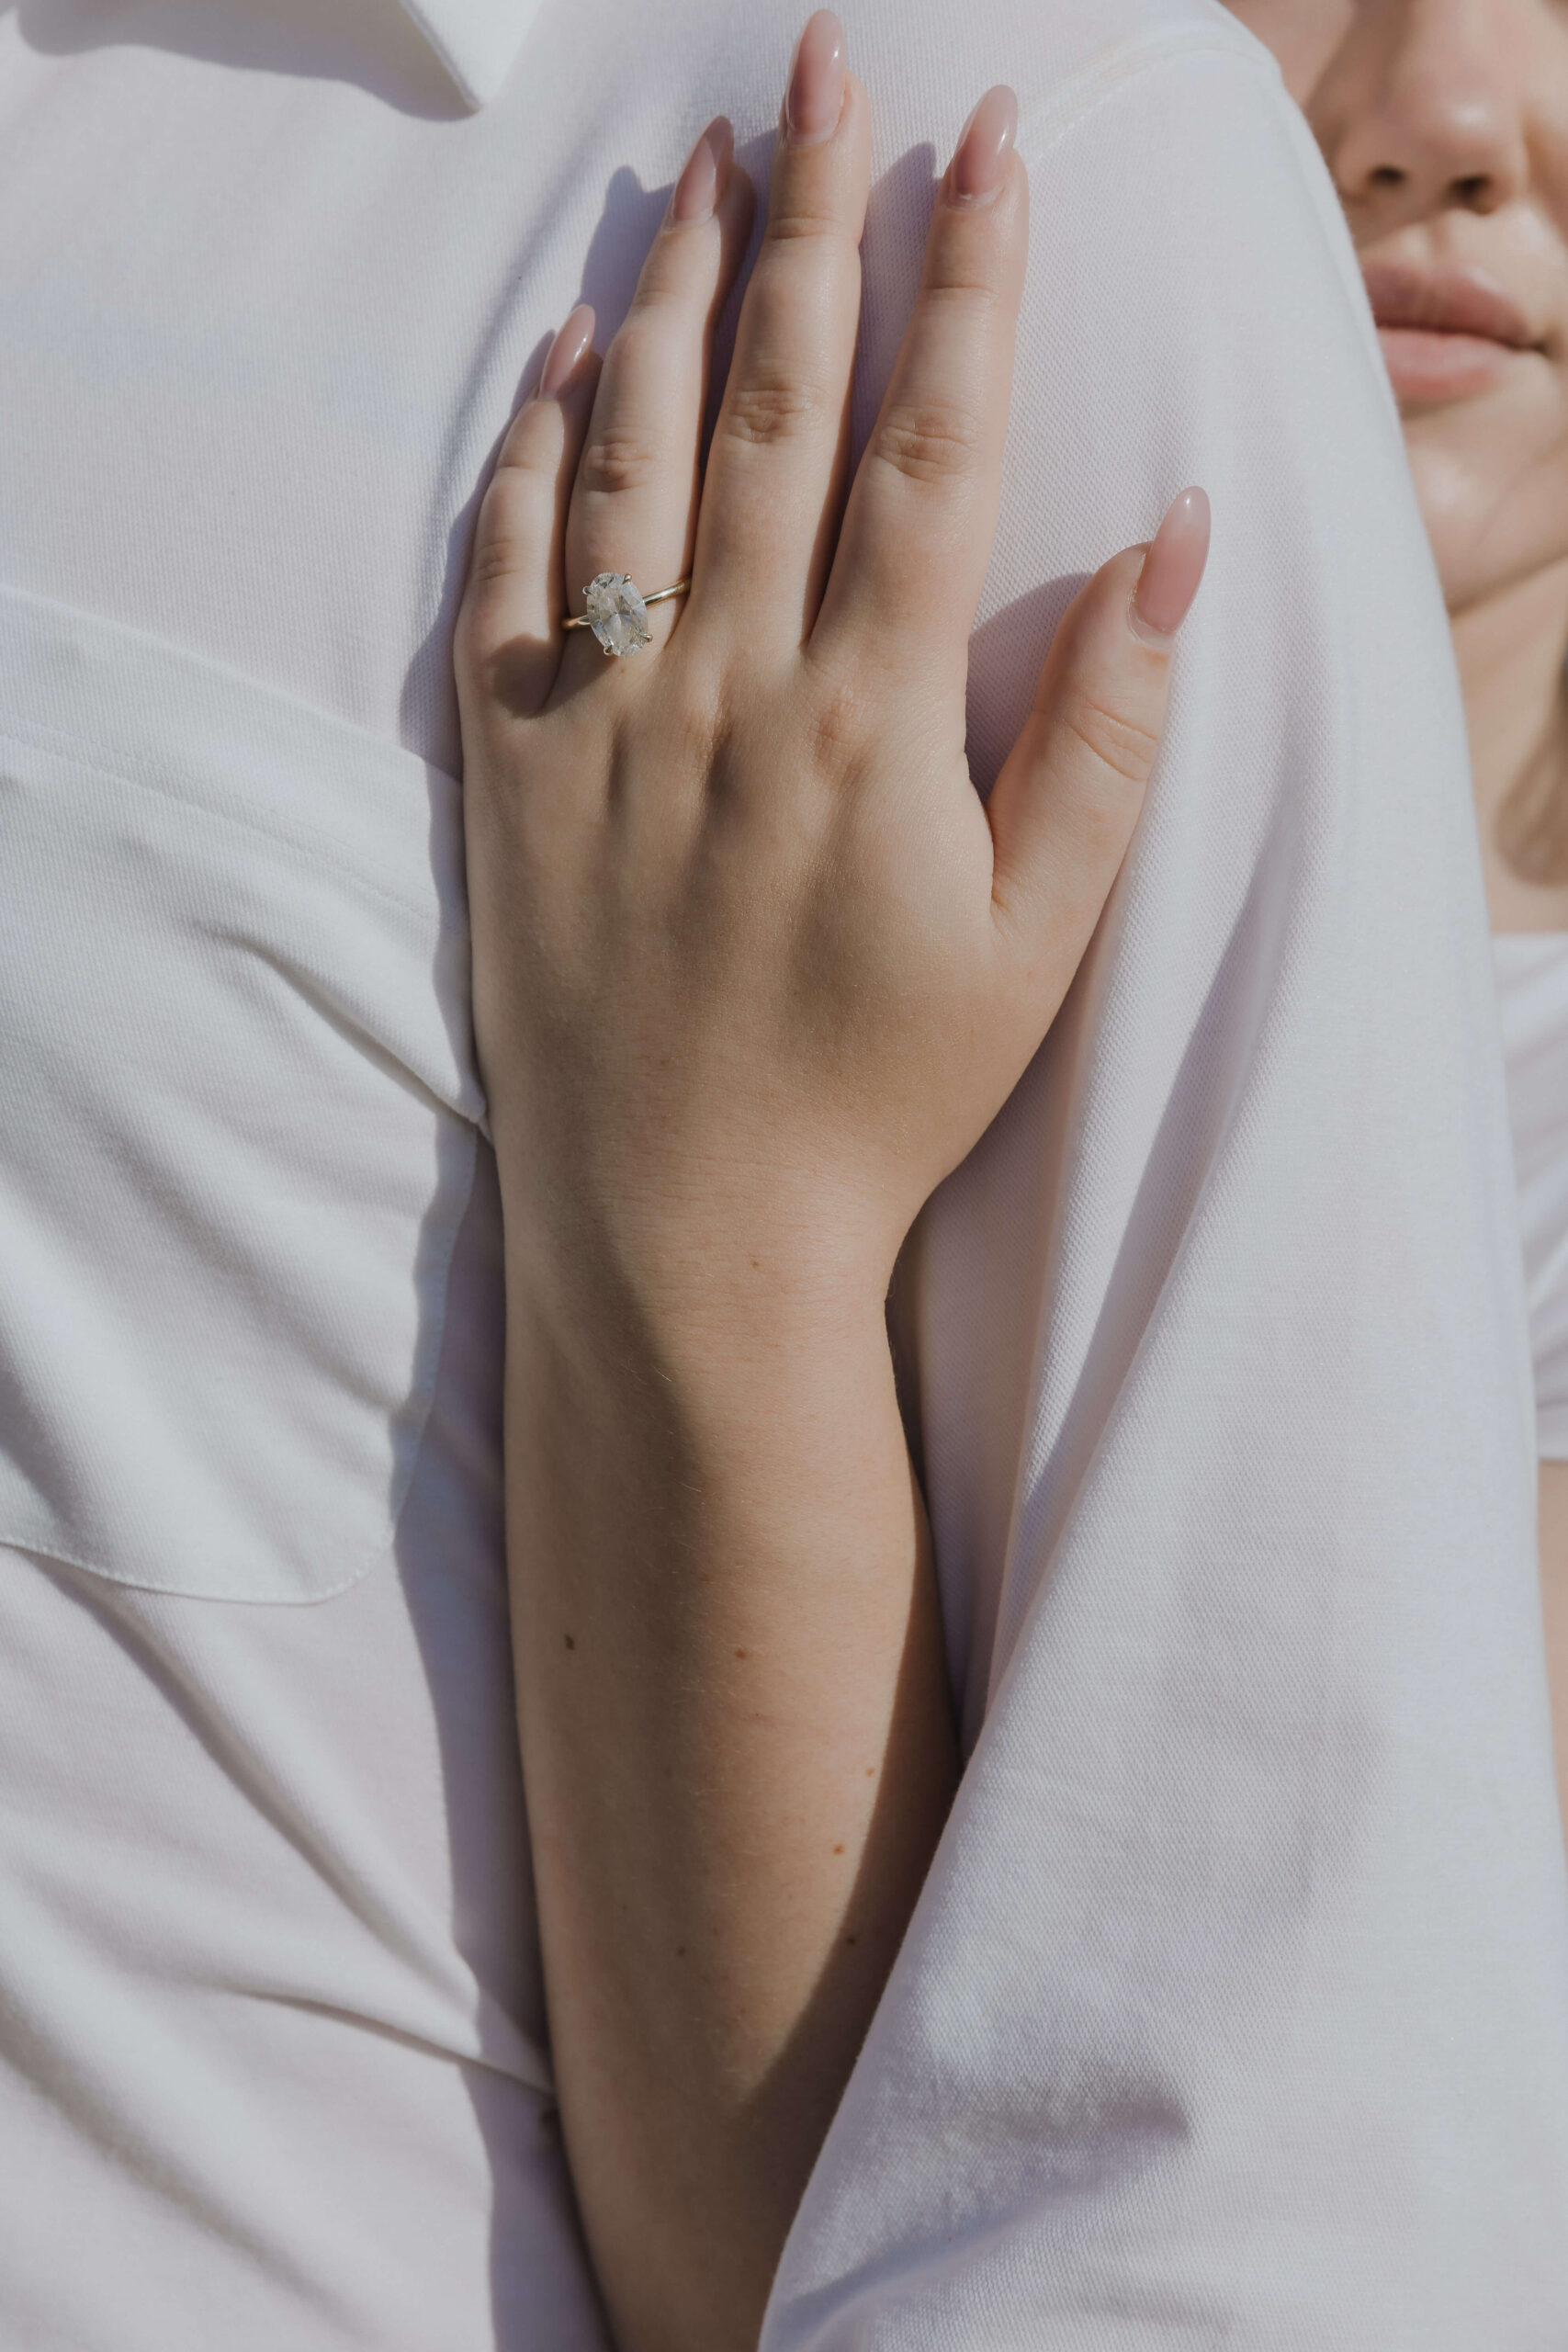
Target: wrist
695, 1282
716, 1342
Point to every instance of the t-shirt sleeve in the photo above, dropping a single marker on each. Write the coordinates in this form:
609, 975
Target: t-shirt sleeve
1233, 2009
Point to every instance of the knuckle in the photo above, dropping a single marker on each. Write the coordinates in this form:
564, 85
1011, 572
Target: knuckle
660, 289
1115, 739
799, 220
842, 722
520, 465
617, 462
767, 416
929, 441
495, 562
966, 291
501, 541
691, 720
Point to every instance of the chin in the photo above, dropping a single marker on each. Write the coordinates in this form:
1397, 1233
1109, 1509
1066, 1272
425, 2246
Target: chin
1493, 489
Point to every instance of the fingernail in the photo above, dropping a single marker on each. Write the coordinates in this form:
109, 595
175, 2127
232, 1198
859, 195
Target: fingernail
565, 354
1172, 569
980, 159
816, 98
704, 174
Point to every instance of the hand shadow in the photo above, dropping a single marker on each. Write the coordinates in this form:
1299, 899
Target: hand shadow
1005, 657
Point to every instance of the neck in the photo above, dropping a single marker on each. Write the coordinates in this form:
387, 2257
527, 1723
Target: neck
1510, 649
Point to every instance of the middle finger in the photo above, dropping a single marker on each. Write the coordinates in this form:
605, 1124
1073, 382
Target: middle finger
769, 498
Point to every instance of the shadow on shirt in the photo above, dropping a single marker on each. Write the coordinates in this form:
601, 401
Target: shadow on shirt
366, 43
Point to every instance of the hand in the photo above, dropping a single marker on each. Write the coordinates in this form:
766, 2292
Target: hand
755, 967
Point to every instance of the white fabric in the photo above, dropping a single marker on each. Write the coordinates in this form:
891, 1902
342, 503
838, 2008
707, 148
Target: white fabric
1532, 992
1236, 2009
477, 40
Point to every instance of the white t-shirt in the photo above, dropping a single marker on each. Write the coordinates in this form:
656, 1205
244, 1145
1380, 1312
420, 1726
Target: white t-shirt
1235, 2008
1532, 991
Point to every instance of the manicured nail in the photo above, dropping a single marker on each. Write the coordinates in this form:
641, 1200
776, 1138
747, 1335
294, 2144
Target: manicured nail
1172, 569
980, 159
816, 98
706, 169
566, 354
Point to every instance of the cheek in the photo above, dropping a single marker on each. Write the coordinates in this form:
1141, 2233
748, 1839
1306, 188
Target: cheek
1492, 478
1303, 34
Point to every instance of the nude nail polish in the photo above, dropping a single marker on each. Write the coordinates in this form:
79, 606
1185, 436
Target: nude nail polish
565, 354
703, 175
979, 162
816, 94
1172, 570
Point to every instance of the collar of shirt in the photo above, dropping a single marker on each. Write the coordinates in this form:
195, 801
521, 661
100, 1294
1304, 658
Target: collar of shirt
477, 40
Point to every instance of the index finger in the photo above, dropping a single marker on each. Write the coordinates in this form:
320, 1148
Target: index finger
923, 510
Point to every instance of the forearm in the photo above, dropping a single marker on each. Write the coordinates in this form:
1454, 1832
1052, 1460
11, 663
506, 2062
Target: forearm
738, 1753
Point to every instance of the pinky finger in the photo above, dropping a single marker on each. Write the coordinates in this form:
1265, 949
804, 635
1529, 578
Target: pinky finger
508, 644
1064, 808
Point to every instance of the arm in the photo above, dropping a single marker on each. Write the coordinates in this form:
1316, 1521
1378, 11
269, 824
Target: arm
754, 968
737, 1749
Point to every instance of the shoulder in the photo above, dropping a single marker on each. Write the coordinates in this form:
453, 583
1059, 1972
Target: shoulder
924, 61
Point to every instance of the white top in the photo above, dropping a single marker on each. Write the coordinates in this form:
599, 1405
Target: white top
1532, 990
1234, 2009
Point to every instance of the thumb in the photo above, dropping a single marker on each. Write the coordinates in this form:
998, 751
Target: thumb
1063, 809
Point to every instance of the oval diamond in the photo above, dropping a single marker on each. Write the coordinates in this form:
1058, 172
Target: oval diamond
616, 612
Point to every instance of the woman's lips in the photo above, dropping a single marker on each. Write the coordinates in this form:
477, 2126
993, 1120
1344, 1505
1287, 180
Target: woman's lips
1424, 365
1446, 334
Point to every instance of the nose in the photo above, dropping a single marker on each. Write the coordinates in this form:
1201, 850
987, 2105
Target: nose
1422, 108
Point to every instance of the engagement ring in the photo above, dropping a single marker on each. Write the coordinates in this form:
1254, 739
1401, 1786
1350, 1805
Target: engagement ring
617, 611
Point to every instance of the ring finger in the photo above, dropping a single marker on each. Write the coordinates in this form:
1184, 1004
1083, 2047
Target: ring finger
635, 502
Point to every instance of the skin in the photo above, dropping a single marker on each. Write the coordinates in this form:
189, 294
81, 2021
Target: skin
754, 968
1445, 125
